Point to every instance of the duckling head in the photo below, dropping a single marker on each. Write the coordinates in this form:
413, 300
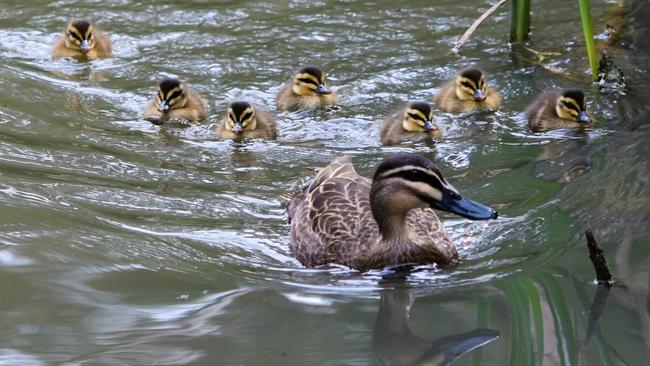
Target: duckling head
405, 181
172, 94
470, 85
572, 105
310, 80
418, 117
79, 36
241, 117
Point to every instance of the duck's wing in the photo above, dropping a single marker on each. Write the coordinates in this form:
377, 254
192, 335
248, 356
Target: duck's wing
331, 221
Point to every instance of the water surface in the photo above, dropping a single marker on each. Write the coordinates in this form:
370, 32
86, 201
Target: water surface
127, 243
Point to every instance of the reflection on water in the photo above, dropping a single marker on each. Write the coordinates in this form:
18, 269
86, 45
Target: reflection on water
127, 243
395, 343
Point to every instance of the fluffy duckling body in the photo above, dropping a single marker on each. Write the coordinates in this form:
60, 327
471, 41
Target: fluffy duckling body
80, 40
246, 121
410, 124
347, 219
558, 109
468, 92
306, 90
175, 101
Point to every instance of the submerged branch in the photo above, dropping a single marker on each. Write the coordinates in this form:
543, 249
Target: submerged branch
597, 256
472, 28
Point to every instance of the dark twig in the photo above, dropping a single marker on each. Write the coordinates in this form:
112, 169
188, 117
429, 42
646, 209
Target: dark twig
597, 256
472, 28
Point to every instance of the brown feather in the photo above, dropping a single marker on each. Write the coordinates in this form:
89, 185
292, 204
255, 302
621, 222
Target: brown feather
541, 114
194, 110
448, 101
103, 48
266, 127
392, 133
332, 222
287, 100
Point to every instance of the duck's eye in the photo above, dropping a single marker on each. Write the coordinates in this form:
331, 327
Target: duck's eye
466, 84
568, 105
414, 116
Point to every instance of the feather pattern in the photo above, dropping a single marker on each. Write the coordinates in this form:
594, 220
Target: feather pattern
332, 222
392, 132
265, 127
448, 101
542, 116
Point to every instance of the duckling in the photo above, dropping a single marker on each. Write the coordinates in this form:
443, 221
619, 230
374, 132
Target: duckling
412, 123
558, 109
245, 120
175, 101
308, 89
81, 40
467, 93
347, 219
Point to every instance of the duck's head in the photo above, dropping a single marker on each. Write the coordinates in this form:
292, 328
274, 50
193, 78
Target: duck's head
172, 94
471, 85
418, 117
310, 80
407, 181
241, 117
572, 105
79, 36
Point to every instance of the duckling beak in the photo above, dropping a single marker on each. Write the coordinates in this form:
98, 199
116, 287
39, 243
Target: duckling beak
479, 96
85, 46
455, 203
164, 107
322, 89
237, 128
584, 117
429, 126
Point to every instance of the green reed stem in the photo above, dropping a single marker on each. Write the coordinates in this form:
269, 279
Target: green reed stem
585, 16
520, 20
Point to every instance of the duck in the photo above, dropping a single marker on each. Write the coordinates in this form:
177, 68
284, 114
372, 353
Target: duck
246, 120
410, 124
347, 219
175, 101
306, 90
80, 40
565, 108
468, 92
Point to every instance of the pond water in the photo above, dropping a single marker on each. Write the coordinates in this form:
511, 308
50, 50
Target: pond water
122, 242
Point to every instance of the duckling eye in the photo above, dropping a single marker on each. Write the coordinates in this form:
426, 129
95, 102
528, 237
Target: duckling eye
568, 105
466, 84
307, 81
414, 116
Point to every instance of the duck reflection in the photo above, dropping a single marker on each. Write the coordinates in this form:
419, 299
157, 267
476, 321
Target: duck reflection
395, 344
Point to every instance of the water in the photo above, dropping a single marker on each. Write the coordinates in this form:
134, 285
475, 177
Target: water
127, 243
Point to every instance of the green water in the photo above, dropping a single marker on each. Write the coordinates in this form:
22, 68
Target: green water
124, 243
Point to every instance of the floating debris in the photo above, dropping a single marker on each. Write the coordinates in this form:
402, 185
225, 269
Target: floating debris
610, 76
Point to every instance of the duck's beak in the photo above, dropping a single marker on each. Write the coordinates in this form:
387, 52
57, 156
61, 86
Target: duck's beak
584, 117
429, 126
237, 128
84, 46
455, 203
479, 96
322, 89
164, 107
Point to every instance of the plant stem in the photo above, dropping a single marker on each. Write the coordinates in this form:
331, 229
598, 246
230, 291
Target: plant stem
585, 16
520, 20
